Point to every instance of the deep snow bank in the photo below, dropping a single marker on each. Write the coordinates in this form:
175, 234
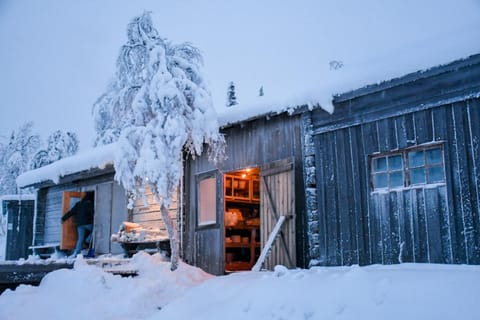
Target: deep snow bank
409, 291
87, 292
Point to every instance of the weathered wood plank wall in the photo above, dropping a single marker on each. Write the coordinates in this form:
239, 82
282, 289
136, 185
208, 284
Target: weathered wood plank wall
431, 223
437, 223
277, 184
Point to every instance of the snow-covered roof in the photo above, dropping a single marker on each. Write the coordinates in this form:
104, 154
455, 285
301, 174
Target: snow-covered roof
317, 98
269, 105
98, 157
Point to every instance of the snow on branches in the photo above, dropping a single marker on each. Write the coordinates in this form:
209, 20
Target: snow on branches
158, 107
60, 145
15, 155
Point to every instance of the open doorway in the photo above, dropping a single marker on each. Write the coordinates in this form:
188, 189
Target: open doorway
77, 215
242, 219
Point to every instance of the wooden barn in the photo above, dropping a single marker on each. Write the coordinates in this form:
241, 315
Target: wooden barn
61, 184
393, 175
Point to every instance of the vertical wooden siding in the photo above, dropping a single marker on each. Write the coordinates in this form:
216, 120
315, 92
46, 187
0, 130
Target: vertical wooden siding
277, 191
433, 224
53, 213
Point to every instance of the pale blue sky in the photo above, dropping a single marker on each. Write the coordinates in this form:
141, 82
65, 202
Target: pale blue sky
57, 56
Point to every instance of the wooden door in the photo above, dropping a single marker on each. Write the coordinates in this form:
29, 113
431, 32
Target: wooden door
277, 198
68, 237
19, 228
209, 223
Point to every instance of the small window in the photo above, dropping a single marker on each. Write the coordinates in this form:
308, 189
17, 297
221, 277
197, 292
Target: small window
207, 201
388, 171
411, 167
426, 166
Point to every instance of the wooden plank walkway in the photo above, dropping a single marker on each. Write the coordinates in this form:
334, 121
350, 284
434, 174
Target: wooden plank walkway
12, 275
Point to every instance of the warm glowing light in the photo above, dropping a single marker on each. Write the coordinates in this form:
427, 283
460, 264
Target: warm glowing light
244, 175
248, 169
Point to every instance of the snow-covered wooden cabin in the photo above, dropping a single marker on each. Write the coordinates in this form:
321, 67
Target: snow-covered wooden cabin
61, 184
392, 175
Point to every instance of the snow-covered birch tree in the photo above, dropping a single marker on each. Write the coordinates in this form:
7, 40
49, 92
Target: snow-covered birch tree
15, 156
59, 145
157, 108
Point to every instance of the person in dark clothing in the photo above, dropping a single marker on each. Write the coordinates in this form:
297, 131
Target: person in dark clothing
83, 212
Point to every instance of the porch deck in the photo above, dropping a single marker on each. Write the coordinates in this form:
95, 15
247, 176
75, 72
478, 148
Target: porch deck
13, 274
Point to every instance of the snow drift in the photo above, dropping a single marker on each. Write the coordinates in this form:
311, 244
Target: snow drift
406, 291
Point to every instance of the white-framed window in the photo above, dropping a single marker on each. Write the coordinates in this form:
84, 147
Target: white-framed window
207, 201
410, 167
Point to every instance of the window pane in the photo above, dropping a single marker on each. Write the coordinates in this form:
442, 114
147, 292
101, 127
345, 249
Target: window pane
207, 204
380, 180
380, 164
435, 174
415, 159
434, 156
396, 179
417, 176
395, 162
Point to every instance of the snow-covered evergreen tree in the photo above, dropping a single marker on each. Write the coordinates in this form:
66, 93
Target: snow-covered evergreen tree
158, 107
231, 97
60, 145
16, 155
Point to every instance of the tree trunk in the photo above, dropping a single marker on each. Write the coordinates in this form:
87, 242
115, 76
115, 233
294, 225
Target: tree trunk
173, 235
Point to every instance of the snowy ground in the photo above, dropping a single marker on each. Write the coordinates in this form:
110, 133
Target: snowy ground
408, 291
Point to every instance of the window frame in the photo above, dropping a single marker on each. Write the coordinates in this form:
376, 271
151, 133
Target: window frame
209, 223
407, 168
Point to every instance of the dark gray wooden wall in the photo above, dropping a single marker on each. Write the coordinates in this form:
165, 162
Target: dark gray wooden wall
249, 144
438, 223
19, 228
